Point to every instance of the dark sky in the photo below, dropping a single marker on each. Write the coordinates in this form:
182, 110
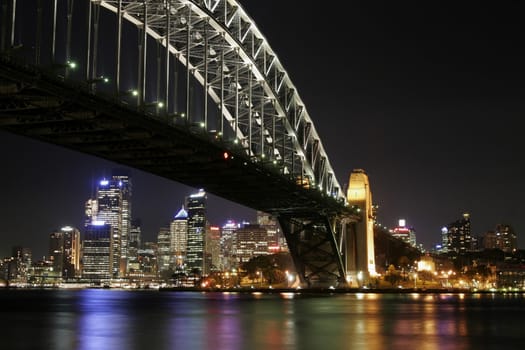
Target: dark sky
425, 97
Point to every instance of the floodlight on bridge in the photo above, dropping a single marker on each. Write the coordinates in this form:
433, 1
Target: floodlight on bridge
100, 79
130, 92
157, 104
68, 64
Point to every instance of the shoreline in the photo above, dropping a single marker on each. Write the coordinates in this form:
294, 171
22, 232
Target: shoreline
341, 290
260, 290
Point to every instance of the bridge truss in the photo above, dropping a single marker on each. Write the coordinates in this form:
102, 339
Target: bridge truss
188, 90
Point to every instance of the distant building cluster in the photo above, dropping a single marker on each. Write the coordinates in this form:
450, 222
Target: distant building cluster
456, 237
109, 248
492, 257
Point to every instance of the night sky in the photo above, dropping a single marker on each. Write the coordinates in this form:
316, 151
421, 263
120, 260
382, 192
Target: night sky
426, 98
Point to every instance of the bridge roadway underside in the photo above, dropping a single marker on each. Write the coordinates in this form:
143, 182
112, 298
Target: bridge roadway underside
43, 108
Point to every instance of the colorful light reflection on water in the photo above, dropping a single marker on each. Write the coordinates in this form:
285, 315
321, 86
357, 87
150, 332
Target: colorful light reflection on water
118, 319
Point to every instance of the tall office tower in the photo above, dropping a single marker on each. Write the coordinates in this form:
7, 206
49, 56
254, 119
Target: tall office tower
443, 248
276, 240
114, 208
228, 244
64, 251
56, 250
97, 252
212, 259
457, 235
252, 241
196, 204
506, 238
360, 259
91, 208
135, 238
178, 239
404, 233
20, 264
475, 244
489, 240
164, 249
147, 260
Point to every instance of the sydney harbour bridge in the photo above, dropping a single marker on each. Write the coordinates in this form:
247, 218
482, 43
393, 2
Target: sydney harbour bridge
189, 90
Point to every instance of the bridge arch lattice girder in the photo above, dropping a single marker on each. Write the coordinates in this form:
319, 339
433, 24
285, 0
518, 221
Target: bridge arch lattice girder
221, 47
41, 107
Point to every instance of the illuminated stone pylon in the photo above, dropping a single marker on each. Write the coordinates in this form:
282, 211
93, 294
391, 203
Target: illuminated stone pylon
360, 257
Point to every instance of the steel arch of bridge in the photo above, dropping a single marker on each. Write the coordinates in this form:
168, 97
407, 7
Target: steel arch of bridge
222, 48
249, 102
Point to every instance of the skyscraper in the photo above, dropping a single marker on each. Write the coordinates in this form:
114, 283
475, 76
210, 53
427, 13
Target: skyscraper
113, 206
97, 252
20, 264
64, 251
213, 248
135, 238
503, 238
196, 204
252, 241
228, 242
457, 235
404, 233
178, 238
276, 239
164, 249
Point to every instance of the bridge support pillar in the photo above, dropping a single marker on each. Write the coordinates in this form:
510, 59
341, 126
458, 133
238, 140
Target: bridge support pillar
312, 241
360, 256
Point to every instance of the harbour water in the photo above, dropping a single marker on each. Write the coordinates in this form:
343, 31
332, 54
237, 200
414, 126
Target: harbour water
121, 319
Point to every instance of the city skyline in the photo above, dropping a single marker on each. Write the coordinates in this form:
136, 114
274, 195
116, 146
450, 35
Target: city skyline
426, 99
152, 218
150, 231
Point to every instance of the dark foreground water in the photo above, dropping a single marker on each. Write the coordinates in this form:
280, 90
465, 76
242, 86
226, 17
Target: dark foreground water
119, 319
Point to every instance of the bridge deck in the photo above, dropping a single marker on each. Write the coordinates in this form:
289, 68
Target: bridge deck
42, 107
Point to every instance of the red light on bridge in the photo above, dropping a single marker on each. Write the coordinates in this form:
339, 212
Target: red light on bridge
226, 155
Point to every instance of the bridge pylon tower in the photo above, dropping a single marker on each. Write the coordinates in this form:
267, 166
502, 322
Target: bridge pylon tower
360, 252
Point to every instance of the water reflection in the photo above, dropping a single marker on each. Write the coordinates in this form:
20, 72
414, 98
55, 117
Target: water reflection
118, 319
